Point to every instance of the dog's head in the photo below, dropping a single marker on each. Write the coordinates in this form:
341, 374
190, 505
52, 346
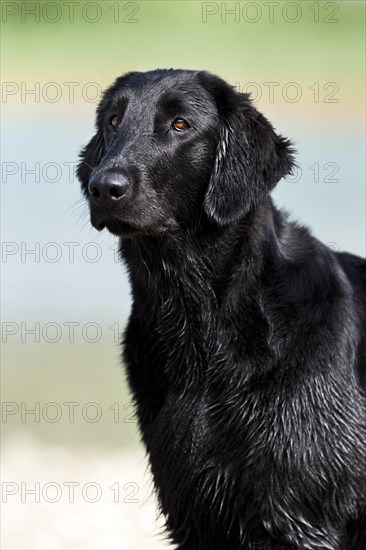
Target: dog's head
170, 145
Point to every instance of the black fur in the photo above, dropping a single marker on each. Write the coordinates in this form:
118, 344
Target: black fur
246, 344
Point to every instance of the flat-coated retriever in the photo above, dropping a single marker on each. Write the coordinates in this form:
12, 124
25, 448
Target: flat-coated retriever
246, 344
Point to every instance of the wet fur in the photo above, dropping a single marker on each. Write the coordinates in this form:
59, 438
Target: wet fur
246, 344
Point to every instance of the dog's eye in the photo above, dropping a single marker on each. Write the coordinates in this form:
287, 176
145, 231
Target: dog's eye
114, 121
180, 124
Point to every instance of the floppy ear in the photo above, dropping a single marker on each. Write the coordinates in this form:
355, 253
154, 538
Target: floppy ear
92, 154
90, 157
250, 157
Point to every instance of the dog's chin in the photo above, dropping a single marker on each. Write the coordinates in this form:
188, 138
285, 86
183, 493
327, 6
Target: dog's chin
117, 228
121, 228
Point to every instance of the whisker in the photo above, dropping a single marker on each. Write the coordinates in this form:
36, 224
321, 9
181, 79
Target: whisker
84, 225
77, 204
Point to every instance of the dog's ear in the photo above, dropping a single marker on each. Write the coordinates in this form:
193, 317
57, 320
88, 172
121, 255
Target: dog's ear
92, 154
250, 157
90, 157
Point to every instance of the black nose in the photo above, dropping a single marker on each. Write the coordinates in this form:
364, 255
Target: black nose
108, 186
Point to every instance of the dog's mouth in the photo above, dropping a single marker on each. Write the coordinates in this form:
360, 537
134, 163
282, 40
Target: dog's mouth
116, 227
124, 229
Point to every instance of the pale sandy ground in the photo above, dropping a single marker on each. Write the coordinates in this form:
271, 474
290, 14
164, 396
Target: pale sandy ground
103, 525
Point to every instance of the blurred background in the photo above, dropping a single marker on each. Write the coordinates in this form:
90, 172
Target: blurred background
74, 473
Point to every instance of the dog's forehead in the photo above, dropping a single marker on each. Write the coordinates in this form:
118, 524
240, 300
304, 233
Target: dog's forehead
163, 86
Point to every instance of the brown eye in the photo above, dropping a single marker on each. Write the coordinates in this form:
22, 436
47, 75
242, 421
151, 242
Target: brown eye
114, 121
180, 124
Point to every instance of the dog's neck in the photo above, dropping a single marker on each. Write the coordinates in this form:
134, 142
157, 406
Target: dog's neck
195, 282
202, 256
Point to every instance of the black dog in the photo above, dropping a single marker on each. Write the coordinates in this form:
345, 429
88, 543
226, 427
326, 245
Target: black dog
246, 344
